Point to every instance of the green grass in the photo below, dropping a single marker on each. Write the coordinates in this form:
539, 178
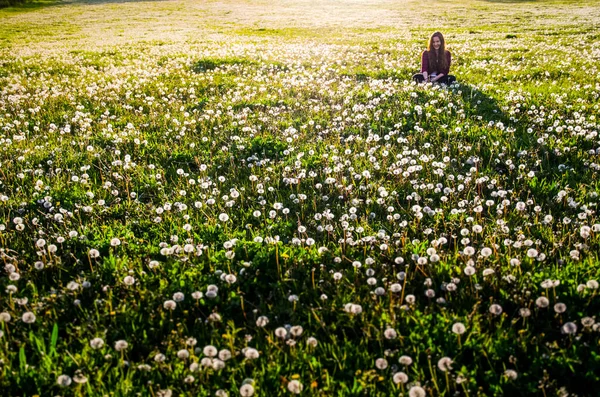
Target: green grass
287, 159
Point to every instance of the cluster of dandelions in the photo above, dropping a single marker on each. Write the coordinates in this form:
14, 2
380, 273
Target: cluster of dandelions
377, 210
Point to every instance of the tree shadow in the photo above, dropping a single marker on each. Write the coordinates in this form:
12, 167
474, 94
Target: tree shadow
478, 102
20, 6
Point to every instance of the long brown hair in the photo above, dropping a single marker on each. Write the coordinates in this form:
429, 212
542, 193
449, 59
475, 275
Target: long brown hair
437, 59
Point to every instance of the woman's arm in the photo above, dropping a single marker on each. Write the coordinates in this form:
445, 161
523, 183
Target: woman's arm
424, 64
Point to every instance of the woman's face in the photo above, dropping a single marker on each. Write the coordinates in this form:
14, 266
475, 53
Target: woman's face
436, 42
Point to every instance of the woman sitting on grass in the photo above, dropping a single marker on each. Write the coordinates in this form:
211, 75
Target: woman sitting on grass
435, 62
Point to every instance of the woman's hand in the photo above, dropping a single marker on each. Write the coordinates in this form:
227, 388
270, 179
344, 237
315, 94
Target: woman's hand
425, 76
436, 78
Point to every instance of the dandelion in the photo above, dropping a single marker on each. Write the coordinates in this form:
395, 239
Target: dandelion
183, 354
295, 386
458, 328
121, 345
178, 297
115, 242
510, 374
64, 381
230, 279
251, 353
353, 308
390, 333
560, 308
542, 302
592, 284
524, 312
312, 342
226, 354
129, 280
417, 391
96, 343
281, 333
496, 309
80, 378
405, 360
262, 321
246, 390
210, 351
444, 364
296, 331
532, 253
189, 379
587, 322
381, 363
469, 270
400, 377
223, 217
28, 318
569, 328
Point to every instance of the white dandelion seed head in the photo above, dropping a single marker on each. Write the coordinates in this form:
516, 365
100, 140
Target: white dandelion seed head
390, 333
417, 391
295, 386
246, 390
381, 363
281, 332
121, 345
96, 343
405, 360
64, 381
262, 321
542, 302
459, 328
210, 351
28, 318
445, 364
251, 353
569, 328
510, 374
496, 309
400, 377
224, 354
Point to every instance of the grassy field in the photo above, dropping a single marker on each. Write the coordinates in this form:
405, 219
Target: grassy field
236, 198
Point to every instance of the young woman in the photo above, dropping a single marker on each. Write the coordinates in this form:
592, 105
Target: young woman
435, 62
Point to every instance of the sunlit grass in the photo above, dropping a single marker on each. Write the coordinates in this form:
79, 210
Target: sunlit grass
263, 202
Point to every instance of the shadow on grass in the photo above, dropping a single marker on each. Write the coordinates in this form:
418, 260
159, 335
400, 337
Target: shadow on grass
16, 6
477, 102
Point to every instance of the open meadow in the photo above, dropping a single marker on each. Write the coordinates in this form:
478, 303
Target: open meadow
251, 197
